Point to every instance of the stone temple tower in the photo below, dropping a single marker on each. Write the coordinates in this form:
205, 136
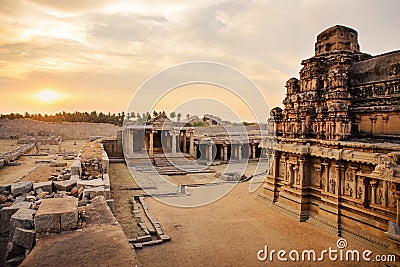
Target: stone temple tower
317, 105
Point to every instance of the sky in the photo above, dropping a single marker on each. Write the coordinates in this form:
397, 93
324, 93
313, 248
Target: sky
73, 55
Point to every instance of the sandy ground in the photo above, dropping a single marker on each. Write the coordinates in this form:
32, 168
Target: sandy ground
230, 232
7, 145
121, 185
9, 174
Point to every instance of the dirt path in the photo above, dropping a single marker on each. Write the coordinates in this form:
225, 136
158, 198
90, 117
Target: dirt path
121, 183
230, 232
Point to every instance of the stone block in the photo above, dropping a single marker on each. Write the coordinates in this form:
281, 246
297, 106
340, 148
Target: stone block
44, 186
90, 183
5, 216
165, 237
144, 238
76, 168
57, 214
94, 192
20, 188
106, 180
64, 185
5, 189
23, 218
22, 205
24, 237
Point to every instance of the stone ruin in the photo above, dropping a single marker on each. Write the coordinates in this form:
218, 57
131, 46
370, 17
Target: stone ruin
9, 158
29, 211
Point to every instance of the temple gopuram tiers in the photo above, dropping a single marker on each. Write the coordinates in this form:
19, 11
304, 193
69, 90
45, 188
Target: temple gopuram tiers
337, 153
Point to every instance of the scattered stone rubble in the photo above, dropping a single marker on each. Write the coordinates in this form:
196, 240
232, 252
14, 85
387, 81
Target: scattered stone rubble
9, 158
152, 236
29, 210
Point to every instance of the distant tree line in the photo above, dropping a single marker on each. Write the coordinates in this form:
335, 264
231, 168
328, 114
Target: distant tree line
112, 118
93, 117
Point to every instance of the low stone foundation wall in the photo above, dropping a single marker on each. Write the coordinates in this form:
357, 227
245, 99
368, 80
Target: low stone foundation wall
8, 157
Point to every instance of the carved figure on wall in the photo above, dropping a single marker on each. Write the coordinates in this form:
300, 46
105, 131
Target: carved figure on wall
333, 186
349, 190
359, 193
380, 195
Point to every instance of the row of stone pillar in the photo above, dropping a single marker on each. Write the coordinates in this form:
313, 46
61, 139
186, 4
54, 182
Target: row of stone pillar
236, 151
129, 137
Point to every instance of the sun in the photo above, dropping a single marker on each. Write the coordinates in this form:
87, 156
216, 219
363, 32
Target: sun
48, 96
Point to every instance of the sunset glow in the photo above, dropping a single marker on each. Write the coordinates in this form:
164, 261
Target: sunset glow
48, 96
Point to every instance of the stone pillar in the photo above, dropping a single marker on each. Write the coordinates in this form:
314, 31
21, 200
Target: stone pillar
221, 152
384, 193
373, 121
184, 148
130, 142
192, 151
225, 152
291, 175
301, 172
240, 151
173, 134
374, 184
325, 175
210, 152
233, 151
151, 144
385, 123
284, 166
253, 148
275, 172
398, 208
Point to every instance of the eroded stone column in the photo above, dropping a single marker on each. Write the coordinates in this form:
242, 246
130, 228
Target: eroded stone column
210, 152
240, 151
225, 152
173, 134
151, 143
192, 151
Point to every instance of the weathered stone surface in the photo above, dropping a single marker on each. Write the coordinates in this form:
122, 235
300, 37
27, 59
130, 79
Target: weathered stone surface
44, 186
144, 238
98, 212
57, 214
165, 237
24, 237
20, 188
90, 183
5, 216
5, 189
94, 192
23, 218
106, 180
76, 168
64, 185
21, 205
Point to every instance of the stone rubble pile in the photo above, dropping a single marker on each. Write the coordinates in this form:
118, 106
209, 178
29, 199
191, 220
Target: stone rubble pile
31, 210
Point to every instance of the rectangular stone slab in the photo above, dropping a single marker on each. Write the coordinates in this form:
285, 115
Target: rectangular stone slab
56, 215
